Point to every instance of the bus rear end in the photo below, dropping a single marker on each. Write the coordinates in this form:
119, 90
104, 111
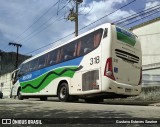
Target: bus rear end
122, 72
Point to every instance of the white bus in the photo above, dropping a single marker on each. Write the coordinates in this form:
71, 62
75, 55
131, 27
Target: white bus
104, 62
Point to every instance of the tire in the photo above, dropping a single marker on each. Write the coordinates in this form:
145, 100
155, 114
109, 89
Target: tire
63, 93
43, 98
19, 95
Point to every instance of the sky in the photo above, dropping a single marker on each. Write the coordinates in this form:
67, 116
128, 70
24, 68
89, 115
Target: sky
38, 23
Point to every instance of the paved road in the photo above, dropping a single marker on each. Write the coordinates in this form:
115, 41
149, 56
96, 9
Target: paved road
33, 108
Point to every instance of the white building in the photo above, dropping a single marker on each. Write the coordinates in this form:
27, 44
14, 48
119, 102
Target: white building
5, 84
149, 35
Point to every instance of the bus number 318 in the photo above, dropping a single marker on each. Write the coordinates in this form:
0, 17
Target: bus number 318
94, 60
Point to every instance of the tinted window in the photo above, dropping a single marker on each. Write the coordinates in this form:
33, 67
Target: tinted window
68, 51
52, 57
89, 42
42, 61
24, 69
33, 65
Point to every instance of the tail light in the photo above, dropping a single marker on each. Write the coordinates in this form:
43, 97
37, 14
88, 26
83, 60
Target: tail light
140, 80
109, 69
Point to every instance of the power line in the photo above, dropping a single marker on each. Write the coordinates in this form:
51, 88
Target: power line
140, 19
50, 43
87, 12
8, 48
141, 16
137, 14
82, 27
107, 14
58, 6
34, 32
67, 36
42, 29
36, 20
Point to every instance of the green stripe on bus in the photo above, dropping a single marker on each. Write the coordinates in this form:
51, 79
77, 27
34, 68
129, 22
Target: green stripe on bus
124, 38
48, 80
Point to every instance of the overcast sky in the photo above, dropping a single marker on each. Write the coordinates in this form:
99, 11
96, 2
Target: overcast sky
36, 23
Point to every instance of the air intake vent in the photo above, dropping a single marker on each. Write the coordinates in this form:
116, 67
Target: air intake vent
127, 56
89, 80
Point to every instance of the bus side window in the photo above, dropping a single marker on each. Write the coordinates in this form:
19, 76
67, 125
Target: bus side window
58, 56
75, 50
69, 51
52, 58
29, 66
32, 65
87, 44
24, 69
61, 56
96, 39
79, 48
42, 61
36, 64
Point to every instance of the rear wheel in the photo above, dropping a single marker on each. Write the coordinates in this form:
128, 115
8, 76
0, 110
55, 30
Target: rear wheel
63, 93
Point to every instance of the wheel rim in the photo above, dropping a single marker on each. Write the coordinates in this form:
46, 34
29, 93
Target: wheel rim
63, 92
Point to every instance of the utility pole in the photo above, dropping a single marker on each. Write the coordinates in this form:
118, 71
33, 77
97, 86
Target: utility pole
73, 16
17, 45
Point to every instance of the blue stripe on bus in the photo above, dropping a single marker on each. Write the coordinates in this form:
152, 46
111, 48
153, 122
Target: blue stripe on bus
35, 74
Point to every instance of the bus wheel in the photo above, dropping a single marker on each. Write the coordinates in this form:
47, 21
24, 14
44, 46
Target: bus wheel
19, 95
63, 93
43, 98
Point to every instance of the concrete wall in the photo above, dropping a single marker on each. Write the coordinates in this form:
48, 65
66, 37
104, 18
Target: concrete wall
149, 36
151, 77
5, 79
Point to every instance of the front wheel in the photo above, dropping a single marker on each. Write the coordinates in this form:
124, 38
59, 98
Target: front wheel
19, 95
63, 93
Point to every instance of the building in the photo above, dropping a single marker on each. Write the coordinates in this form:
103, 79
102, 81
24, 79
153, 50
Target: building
7, 65
7, 61
149, 35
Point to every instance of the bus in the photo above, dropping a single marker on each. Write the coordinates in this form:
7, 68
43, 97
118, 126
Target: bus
105, 62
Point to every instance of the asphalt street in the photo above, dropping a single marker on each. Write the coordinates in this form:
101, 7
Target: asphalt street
108, 113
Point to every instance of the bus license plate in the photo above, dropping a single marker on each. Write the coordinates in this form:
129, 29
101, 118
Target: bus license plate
128, 90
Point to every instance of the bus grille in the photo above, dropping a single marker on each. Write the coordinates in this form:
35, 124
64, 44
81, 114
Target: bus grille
89, 80
127, 56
